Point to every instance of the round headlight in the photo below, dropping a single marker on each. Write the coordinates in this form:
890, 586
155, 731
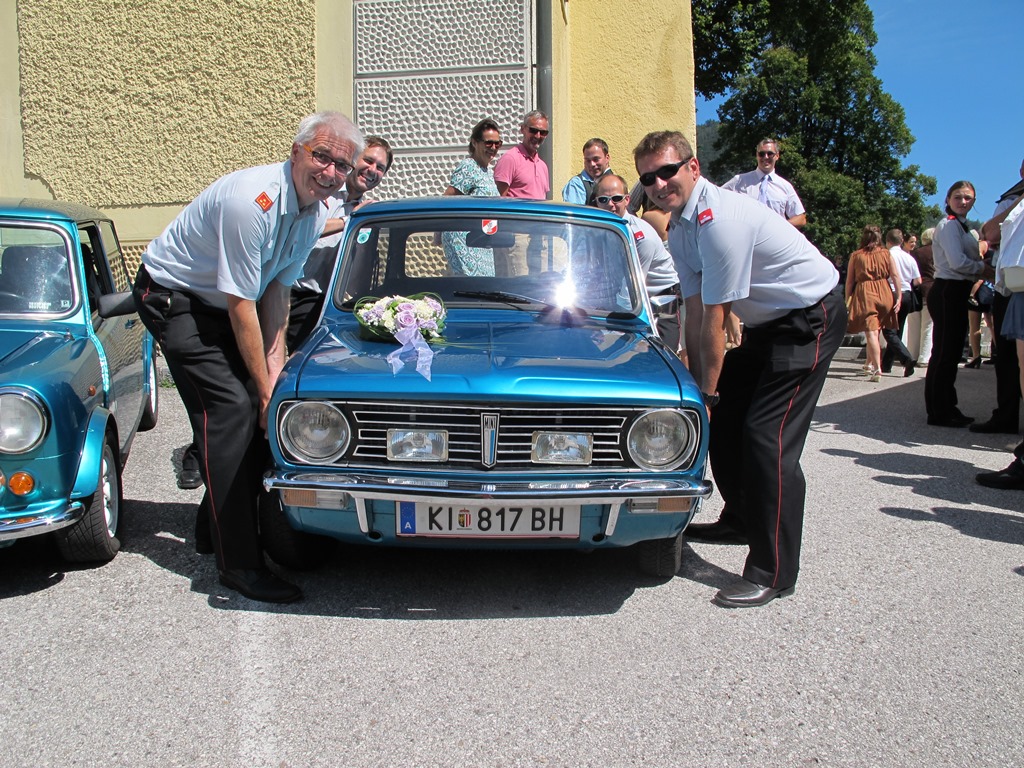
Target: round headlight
23, 421
314, 433
661, 440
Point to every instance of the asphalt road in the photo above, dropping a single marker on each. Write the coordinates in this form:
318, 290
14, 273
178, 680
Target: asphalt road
901, 646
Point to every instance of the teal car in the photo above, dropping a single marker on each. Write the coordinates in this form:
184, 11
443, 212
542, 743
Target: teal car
77, 377
535, 406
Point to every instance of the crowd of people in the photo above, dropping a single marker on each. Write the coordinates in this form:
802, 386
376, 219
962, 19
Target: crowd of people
237, 280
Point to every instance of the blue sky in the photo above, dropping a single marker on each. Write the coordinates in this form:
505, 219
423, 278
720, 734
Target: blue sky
956, 68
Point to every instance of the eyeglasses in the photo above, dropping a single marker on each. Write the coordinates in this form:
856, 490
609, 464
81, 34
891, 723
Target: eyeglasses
664, 173
537, 131
605, 199
492, 144
325, 161
766, 154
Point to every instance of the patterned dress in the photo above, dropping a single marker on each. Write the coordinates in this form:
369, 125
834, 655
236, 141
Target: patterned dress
470, 179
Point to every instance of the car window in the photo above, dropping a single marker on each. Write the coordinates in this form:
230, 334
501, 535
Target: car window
114, 257
35, 273
462, 259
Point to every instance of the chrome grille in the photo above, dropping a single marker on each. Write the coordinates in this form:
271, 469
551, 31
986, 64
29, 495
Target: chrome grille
516, 425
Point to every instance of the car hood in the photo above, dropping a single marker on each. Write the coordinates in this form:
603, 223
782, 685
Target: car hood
21, 347
487, 360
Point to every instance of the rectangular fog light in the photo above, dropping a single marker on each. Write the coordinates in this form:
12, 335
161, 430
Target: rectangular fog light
417, 445
562, 448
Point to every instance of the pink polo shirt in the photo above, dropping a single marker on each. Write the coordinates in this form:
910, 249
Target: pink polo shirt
527, 177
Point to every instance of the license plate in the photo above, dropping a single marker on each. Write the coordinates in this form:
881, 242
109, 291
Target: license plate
492, 521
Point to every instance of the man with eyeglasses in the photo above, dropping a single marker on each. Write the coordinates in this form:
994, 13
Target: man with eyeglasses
213, 289
521, 172
307, 295
660, 276
733, 255
768, 188
580, 189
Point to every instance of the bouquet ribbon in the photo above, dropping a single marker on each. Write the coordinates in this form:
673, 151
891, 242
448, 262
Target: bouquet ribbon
412, 341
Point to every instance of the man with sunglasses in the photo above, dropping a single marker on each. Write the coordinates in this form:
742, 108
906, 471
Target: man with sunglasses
213, 290
521, 172
307, 295
768, 188
733, 255
580, 189
660, 276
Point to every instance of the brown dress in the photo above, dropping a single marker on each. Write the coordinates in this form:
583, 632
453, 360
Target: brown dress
872, 300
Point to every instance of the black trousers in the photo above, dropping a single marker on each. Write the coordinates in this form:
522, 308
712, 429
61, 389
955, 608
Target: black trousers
303, 314
222, 405
1007, 410
894, 346
769, 387
947, 304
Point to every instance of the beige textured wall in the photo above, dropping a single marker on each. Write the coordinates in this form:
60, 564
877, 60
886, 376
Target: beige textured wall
628, 68
134, 107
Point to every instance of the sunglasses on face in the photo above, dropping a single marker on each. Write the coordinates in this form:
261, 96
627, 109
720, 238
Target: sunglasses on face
605, 199
766, 154
537, 131
492, 144
664, 173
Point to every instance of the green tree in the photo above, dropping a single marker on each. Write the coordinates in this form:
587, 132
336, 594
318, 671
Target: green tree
842, 137
726, 38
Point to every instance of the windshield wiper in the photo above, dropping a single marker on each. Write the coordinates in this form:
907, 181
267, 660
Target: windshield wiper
505, 296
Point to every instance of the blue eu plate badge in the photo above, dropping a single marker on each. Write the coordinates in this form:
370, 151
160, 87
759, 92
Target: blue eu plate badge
407, 516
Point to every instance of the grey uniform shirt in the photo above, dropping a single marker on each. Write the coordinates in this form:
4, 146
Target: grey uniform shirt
319, 267
781, 195
655, 260
730, 248
241, 232
956, 252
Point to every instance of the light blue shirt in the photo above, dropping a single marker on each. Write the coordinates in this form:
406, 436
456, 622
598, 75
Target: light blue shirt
655, 260
575, 190
730, 248
956, 252
241, 232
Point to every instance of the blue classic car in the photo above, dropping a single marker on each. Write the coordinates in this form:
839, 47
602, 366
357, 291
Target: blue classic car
77, 376
532, 405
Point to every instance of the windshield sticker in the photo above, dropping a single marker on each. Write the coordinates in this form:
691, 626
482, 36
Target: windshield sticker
489, 226
363, 236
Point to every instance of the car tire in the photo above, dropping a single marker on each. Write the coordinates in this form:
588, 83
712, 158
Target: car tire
152, 408
296, 550
661, 557
94, 537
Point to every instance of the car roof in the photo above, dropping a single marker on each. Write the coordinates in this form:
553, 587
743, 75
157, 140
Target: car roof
467, 204
27, 208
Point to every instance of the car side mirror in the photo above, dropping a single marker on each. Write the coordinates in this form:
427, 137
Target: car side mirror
116, 304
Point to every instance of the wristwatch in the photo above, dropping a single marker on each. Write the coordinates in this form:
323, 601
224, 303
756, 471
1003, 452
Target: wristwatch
711, 400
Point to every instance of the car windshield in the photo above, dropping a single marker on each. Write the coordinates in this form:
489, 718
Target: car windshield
35, 276
506, 263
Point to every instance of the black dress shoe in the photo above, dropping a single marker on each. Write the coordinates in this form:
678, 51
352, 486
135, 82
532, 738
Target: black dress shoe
715, 533
189, 479
260, 584
750, 595
1009, 479
994, 427
908, 369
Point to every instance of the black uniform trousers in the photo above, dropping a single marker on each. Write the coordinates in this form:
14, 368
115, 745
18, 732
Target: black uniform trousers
1007, 410
894, 346
769, 387
222, 405
947, 304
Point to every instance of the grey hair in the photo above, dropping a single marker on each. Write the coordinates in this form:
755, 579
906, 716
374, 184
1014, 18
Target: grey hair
534, 115
336, 123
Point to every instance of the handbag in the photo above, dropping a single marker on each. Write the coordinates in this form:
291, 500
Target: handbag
916, 300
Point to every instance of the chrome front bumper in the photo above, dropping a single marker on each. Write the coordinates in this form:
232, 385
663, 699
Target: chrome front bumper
40, 522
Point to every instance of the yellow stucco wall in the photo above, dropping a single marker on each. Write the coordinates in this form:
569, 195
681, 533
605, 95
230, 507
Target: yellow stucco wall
135, 107
621, 69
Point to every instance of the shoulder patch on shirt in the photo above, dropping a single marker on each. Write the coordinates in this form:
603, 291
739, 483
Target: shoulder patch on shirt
264, 201
705, 216
638, 236
950, 217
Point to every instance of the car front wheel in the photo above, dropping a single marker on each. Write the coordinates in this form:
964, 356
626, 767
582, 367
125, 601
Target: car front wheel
94, 537
297, 550
152, 407
661, 557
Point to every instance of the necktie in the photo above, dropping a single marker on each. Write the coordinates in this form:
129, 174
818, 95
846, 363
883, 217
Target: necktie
762, 192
